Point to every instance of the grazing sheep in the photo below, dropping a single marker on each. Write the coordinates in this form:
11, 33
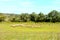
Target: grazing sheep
25, 25
15, 25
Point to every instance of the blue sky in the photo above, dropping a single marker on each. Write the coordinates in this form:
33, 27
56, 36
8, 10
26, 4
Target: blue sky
29, 6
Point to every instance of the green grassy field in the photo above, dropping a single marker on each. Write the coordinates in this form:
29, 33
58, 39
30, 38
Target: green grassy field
45, 31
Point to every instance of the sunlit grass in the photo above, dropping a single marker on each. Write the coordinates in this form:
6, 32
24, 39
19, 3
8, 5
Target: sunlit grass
46, 31
43, 27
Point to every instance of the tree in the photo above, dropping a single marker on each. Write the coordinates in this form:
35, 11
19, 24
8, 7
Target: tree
2, 17
41, 17
24, 17
53, 16
47, 18
33, 16
58, 17
12, 17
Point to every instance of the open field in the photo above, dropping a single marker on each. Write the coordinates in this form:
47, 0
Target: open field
38, 31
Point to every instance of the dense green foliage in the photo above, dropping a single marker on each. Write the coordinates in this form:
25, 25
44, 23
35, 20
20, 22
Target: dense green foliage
53, 16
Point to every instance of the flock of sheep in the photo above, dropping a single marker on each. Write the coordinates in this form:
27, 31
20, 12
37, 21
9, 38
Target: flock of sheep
24, 25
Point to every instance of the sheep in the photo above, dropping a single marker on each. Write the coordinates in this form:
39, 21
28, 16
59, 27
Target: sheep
25, 25
15, 25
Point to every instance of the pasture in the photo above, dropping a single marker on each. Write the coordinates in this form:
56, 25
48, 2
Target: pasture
34, 31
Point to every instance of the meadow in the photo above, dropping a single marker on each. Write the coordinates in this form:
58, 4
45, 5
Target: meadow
38, 31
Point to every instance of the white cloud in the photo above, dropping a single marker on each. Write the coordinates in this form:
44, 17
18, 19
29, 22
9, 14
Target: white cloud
8, 9
26, 4
6, 0
56, 2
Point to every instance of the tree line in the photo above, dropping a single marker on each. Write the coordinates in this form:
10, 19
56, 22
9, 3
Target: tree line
53, 16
